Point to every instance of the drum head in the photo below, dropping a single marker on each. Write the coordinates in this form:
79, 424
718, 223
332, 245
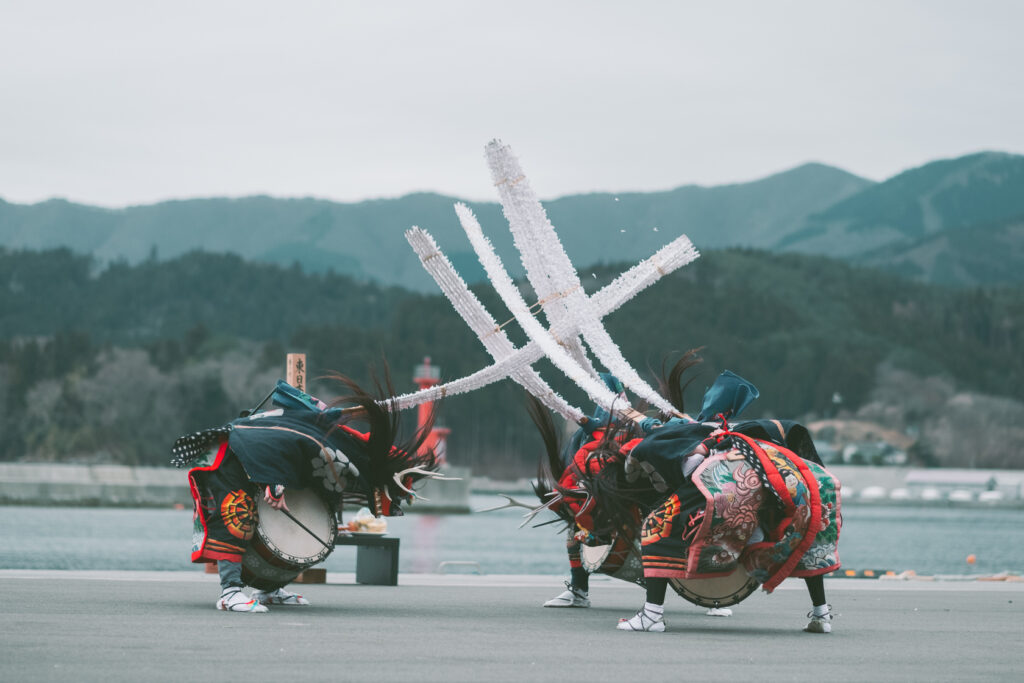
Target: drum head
721, 591
289, 541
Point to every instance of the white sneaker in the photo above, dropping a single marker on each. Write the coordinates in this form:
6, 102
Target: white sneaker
569, 598
280, 597
234, 600
643, 621
822, 624
719, 612
572, 597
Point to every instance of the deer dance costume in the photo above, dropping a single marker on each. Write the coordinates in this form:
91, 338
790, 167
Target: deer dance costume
712, 497
299, 444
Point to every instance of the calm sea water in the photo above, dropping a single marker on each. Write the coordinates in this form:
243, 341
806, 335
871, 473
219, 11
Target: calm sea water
926, 540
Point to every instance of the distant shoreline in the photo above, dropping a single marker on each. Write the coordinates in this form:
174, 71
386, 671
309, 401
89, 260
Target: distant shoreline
55, 484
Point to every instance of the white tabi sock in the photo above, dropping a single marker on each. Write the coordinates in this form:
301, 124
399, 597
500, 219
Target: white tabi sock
819, 610
651, 608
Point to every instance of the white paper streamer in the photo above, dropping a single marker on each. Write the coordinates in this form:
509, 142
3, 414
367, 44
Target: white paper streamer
548, 283
484, 326
677, 253
506, 289
561, 295
669, 258
553, 272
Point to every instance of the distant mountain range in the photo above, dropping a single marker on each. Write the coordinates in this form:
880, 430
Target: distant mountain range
956, 221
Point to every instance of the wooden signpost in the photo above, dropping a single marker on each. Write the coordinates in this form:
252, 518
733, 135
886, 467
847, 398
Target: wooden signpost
296, 371
295, 374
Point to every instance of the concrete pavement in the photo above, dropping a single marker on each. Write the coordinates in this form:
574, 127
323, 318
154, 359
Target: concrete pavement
162, 626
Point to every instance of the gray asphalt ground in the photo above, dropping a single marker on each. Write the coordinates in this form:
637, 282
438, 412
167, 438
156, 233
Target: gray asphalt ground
162, 626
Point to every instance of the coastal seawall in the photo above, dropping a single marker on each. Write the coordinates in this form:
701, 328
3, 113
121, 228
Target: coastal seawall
123, 486
96, 485
120, 485
876, 485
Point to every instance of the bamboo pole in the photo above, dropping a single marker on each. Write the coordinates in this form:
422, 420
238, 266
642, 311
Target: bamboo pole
295, 374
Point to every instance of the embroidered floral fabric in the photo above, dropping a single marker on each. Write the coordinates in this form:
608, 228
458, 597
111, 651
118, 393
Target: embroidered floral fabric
794, 501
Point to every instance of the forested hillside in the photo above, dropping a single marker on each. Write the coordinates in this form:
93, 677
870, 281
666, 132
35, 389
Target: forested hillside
953, 222
113, 364
942, 197
365, 239
987, 254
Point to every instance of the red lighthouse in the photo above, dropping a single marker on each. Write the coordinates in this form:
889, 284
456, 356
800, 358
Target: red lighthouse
426, 376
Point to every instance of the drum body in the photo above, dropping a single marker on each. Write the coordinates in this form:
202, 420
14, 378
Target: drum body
720, 591
281, 549
620, 559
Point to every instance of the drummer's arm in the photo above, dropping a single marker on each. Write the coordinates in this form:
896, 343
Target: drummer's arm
274, 494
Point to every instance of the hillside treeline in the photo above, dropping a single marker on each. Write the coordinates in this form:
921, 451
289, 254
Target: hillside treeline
112, 365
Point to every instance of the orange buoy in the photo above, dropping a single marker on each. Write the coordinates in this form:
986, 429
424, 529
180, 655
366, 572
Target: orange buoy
971, 559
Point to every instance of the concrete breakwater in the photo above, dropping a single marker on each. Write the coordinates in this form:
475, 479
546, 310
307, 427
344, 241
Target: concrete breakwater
113, 485
873, 485
123, 486
119, 485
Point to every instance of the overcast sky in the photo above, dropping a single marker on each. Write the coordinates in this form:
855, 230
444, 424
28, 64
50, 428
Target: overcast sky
120, 103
